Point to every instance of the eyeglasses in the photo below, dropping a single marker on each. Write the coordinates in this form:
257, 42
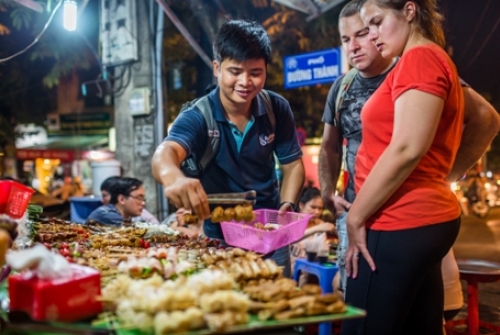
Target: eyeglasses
138, 198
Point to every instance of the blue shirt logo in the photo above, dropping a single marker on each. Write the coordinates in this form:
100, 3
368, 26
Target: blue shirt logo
265, 140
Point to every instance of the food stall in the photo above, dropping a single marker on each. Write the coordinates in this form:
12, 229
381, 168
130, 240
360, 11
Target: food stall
151, 279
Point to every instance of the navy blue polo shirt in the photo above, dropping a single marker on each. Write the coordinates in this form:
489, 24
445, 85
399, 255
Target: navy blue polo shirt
107, 214
244, 161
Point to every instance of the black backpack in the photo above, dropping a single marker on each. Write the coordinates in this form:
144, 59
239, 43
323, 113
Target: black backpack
192, 168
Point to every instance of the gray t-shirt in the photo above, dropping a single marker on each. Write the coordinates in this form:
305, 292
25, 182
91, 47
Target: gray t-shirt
350, 122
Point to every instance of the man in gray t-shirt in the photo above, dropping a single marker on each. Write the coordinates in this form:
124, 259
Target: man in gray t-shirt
372, 69
354, 98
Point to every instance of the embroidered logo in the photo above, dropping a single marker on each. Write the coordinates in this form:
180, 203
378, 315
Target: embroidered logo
213, 133
265, 140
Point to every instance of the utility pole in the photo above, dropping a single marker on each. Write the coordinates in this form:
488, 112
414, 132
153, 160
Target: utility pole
134, 111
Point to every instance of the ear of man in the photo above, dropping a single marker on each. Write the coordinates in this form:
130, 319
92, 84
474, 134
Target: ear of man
121, 198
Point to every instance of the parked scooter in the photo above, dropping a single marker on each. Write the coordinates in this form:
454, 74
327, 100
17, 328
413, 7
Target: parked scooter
477, 207
476, 195
492, 198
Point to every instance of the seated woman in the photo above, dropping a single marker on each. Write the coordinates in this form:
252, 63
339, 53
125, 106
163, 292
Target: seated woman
311, 203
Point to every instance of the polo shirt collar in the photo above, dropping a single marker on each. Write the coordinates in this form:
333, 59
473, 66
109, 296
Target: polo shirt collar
258, 107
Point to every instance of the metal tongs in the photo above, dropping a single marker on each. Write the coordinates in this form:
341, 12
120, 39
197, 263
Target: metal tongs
248, 197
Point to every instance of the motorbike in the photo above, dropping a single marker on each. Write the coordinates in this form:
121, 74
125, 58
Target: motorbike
492, 197
479, 208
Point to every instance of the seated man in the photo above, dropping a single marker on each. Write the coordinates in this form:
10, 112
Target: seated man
106, 196
127, 201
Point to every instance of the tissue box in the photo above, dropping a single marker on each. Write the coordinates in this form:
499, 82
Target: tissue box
69, 299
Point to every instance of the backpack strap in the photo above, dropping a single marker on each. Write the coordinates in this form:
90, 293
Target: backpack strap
205, 108
344, 87
269, 107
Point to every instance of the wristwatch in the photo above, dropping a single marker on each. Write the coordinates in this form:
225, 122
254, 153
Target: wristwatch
294, 207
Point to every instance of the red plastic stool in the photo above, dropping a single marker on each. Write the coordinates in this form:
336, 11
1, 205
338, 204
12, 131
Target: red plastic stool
474, 272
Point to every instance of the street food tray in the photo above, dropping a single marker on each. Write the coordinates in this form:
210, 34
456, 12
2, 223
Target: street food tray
111, 327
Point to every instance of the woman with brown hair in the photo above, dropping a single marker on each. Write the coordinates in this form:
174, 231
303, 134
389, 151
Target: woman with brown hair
405, 217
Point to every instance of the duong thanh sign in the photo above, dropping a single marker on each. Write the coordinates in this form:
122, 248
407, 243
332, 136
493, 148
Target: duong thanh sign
313, 68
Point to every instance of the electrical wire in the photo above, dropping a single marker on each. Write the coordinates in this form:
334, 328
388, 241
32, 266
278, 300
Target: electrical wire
38, 36
126, 84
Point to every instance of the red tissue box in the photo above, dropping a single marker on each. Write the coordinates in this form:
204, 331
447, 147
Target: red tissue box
68, 299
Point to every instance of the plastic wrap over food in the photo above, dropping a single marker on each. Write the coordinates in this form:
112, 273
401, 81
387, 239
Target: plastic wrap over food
40, 262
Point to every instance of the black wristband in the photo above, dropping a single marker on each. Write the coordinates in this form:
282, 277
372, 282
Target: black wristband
294, 207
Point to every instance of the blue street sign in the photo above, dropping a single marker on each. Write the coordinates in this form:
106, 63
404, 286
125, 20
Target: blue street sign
312, 68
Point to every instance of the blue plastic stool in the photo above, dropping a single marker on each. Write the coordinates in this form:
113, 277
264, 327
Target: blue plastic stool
325, 276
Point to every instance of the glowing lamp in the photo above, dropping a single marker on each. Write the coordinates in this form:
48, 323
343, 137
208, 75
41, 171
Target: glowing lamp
69, 15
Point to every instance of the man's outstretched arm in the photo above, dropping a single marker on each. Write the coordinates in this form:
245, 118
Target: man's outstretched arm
183, 192
330, 161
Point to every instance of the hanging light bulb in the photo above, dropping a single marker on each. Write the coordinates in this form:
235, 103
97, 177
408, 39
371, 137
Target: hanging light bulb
69, 15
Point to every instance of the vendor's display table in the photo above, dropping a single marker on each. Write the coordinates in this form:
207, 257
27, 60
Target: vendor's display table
270, 327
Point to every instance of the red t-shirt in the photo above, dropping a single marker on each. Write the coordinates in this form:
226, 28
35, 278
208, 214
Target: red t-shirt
425, 197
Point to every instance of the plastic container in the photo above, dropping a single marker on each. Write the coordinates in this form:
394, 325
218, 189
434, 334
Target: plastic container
101, 171
14, 198
68, 299
81, 207
245, 236
311, 256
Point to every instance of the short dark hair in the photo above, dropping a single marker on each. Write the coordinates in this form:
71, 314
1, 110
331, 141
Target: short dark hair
108, 182
123, 186
242, 40
308, 194
350, 9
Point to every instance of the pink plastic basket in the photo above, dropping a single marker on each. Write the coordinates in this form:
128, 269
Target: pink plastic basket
14, 198
244, 235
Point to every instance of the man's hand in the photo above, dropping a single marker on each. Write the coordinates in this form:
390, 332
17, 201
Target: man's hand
183, 192
188, 193
337, 204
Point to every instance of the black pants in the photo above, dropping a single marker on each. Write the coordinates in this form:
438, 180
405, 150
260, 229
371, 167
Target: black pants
405, 294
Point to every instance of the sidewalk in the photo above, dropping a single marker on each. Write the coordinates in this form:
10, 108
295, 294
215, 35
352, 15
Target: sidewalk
480, 239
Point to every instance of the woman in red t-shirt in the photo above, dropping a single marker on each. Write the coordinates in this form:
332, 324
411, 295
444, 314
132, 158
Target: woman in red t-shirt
405, 217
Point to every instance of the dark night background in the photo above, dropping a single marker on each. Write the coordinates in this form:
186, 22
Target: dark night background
471, 26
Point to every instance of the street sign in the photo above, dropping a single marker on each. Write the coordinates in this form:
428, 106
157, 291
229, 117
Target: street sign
88, 123
312, 68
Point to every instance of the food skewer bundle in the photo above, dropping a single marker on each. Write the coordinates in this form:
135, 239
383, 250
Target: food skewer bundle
281, 300
206, 299
168, 263
237, 213
57, 230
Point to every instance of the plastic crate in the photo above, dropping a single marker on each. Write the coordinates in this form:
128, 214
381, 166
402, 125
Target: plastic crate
81, 207
245, 236
14, 198
64, 299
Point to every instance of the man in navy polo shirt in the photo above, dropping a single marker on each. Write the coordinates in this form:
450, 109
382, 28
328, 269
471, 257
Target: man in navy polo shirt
248, 138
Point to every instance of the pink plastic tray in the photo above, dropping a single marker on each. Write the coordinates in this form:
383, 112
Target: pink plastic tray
245, 236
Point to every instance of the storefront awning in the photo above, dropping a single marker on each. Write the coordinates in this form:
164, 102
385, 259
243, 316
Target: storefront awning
68, 148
